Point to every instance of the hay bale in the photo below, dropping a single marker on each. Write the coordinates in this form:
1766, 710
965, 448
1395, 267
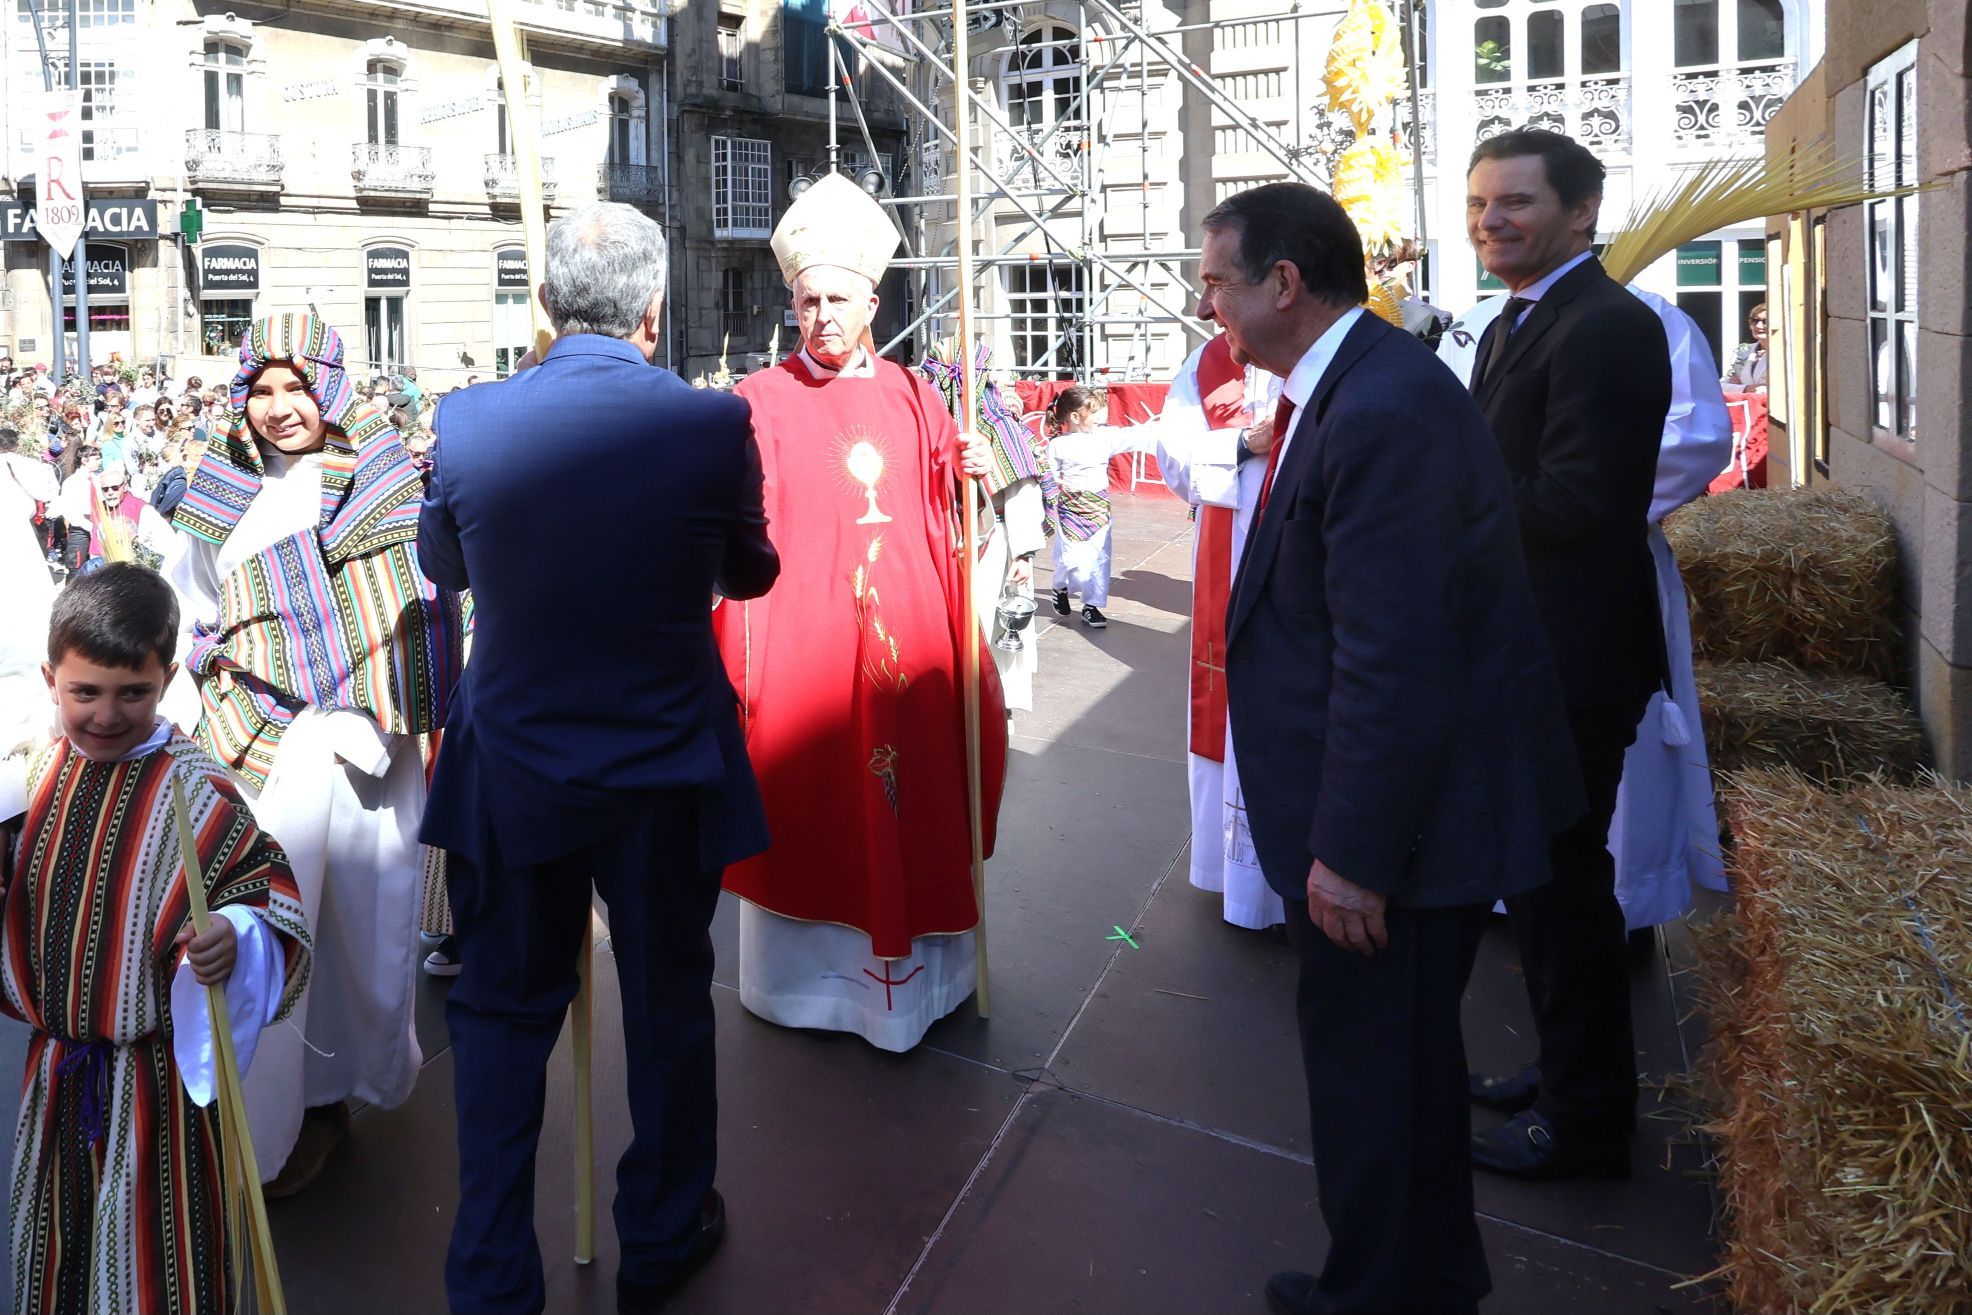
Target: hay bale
1807, 576
1841, 1051
1830, 728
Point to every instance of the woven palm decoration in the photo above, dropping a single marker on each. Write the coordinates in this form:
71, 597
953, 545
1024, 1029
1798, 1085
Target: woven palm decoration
1365, 68
1721, 193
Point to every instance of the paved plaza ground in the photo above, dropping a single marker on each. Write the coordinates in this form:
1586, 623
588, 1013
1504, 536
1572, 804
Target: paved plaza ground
1127, 1134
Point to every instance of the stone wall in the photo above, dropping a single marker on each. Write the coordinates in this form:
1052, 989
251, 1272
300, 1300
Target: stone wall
1925, 484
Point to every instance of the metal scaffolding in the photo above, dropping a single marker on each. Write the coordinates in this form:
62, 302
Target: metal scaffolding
1054, 176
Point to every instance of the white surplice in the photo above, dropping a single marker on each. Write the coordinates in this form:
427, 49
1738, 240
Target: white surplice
1664, 835
27, 592
1202, 466
344, 797
1081, 462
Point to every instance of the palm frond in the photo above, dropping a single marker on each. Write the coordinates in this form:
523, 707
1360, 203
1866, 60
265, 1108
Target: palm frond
1724, 192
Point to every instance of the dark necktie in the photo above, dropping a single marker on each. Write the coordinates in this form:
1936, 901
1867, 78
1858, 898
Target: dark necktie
1283, 416
1492, 343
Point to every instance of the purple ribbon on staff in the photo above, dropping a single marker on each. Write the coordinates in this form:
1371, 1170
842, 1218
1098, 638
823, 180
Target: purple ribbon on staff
92, 1060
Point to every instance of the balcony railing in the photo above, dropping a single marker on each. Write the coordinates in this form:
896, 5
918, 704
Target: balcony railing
1427, 105
215, 158
1728, 106
503, 178
1017, 155
630, 182
1595, 110
380, 170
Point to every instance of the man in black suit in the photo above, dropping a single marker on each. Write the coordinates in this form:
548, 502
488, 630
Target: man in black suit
1403, 747
1575, 379
594, 746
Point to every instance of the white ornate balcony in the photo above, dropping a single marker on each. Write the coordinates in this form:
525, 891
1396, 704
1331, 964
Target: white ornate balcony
239, 161
503, 178
1595, 111
1727, 107
630, 182
380, 170
1427, 105
1017, 156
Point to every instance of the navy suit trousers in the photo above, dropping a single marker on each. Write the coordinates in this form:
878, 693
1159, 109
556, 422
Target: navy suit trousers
1387, 1103
519, 931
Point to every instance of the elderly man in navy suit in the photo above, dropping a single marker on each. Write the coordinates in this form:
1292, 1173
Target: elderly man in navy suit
594, 746
1403, 746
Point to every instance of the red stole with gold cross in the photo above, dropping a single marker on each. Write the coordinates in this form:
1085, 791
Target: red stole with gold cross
1222, 390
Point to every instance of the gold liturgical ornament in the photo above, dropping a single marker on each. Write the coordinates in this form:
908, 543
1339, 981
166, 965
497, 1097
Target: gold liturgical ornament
866, 466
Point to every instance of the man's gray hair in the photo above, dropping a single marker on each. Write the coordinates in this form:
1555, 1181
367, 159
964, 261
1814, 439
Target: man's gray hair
606, 262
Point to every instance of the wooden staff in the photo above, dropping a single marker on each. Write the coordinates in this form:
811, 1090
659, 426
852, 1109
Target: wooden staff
511, 51
969, 411
239, 1163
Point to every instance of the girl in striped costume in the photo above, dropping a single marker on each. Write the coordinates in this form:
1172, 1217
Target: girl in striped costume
321, 654
116, 1193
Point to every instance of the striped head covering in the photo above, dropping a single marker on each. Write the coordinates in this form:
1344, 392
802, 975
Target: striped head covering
370, 489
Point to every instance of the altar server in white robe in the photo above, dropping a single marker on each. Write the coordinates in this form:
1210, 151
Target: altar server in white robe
1217, 416
1664, 835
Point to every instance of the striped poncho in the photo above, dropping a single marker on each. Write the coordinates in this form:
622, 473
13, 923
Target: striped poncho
341, 617
116, 1199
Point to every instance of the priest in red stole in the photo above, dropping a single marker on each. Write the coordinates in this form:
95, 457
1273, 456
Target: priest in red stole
1218, 416
860, 916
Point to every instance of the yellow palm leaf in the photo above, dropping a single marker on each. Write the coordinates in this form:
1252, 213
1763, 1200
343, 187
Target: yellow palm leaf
1365, 67
1721, 193
1369, 186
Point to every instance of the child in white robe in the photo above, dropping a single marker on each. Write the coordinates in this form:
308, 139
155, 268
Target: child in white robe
1080, 450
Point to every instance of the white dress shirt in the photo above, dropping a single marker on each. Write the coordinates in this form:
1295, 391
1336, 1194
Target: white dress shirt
1307, 374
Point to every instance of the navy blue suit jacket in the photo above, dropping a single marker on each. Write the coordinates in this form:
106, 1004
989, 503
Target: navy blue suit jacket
1394, 704
593, 504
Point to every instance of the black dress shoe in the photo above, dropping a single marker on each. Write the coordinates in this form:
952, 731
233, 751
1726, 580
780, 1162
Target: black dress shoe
1508, 1095
1527, 1146
1291, 1292
650, 1298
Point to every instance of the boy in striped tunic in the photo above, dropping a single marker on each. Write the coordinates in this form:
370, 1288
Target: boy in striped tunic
117, 1203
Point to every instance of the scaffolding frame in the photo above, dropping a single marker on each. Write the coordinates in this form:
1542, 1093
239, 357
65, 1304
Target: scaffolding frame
1056, 181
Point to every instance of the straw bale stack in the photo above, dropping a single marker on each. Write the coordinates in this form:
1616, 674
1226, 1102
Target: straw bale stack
1800, 575
1830, 727
1841, 1052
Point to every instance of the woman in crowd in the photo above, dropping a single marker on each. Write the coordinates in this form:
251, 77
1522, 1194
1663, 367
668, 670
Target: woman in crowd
1748, 371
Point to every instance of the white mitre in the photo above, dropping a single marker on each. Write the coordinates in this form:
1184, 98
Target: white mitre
835, 222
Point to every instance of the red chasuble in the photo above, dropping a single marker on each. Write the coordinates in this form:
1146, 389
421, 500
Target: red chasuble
1222, 390
848, 672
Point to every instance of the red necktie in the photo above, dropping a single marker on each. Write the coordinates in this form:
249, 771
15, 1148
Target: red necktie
1283, 416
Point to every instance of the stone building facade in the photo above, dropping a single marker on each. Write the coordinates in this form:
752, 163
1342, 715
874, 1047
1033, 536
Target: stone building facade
1873, 361
349, 155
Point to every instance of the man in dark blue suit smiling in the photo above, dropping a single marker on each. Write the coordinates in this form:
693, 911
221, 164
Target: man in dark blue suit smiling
1403, 747
594, 741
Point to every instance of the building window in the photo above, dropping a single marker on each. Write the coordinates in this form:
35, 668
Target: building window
513, 330
502, 129
622, 130
88, 13
225, 87
1043, 83
1891, 138
1712, 33
1553, 64
732, 53
1046, 306
742, 188
222, 323
735, 311
1719, 284
101, 140
383, 324
380, 90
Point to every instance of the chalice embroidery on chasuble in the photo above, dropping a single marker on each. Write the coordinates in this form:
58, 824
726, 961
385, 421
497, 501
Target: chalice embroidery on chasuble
861, 466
